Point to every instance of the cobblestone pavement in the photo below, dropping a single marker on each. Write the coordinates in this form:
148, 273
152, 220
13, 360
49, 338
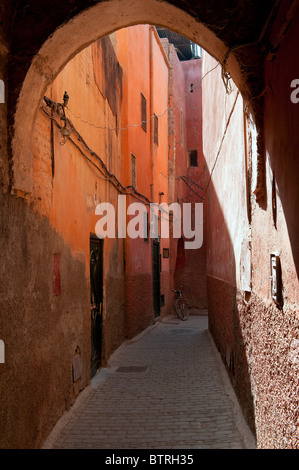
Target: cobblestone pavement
165, 389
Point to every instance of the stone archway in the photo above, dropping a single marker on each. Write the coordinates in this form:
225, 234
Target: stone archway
39, 39
76, 34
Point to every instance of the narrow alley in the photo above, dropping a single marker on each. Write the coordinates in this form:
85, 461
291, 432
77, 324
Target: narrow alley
165, 389
149, 166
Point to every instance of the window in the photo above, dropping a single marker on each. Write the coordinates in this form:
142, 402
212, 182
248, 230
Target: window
192, 158
133, 171
156, 128
182, 128
143, 113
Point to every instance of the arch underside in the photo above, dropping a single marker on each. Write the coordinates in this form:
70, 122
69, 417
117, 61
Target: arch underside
44, 58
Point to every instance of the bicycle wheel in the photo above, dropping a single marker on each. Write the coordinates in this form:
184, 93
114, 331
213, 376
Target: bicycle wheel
181, 309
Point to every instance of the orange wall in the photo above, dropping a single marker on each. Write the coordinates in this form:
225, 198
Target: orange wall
70, 198
145, 71
105, 82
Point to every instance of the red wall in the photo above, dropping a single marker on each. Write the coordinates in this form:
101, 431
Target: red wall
254, 335
145, 69
189, 265
275, 372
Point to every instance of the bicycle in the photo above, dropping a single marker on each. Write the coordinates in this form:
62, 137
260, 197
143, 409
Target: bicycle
180, 306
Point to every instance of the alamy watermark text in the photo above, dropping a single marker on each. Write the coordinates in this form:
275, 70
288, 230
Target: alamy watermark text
137, 227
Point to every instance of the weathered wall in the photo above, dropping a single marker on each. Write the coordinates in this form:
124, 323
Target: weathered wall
253, 334
137, 142
40, 342
145, 71
227, 225
30, 28
4, 51
185, 133
159, 73
41, 332
46, 49
193, 276
77, 186
45, 331
68, 182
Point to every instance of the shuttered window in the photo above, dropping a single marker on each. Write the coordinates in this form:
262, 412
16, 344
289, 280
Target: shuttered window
143, 113
156, 129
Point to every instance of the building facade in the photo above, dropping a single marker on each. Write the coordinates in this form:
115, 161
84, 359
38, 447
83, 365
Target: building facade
95, 144
251, 234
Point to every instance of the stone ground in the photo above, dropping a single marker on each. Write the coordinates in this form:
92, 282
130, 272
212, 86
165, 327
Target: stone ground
165, 389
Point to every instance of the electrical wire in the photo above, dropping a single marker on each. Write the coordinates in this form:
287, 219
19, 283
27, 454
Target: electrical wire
103, 169
108, 176
220, 146
193, 182
184, 178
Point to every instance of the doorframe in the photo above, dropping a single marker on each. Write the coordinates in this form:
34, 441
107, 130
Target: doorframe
100, 243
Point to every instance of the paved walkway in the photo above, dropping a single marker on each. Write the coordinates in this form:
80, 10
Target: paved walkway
165, 389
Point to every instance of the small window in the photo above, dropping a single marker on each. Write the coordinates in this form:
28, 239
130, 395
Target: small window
156, 129
143, 113
133, 171
192, 154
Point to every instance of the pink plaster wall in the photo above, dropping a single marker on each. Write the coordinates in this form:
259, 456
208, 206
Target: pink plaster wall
191, 266
145, 69
253, 334
275, 372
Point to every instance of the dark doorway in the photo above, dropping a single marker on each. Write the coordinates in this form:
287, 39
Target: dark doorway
96, 302
156, 277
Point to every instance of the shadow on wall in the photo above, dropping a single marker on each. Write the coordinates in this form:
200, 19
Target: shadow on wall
275, 375
281, 136
114, 288
230, 333
46, 327
191, 178
190, 272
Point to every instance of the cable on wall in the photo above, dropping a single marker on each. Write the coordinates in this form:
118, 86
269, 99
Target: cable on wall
221, 143
69, 127
190, 90
102, 167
